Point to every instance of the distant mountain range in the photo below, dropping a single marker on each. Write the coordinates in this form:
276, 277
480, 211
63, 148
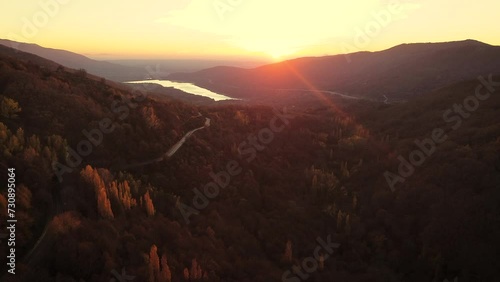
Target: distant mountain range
319, 168
122, 70
400, 72
104, 69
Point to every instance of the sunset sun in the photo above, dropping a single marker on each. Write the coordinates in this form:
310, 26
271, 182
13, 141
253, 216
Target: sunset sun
278, 52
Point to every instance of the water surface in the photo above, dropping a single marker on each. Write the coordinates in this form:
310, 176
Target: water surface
186, 87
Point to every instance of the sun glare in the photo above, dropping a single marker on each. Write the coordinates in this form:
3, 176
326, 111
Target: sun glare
276, 49
278, 54
228, 28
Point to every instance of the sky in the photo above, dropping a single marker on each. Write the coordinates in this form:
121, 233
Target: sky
243, 29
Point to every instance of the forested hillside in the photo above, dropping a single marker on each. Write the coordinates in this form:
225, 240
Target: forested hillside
252, 196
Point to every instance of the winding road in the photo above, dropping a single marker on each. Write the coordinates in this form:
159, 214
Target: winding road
323, 91
28, 257
172, 149
181, 142
304, 90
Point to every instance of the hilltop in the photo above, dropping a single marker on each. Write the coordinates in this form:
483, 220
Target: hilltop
400, 73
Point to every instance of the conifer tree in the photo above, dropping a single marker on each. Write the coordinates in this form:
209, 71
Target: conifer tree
340, 216
195, 272
287, 256
91, 177
166, 275
150, 209
154, 264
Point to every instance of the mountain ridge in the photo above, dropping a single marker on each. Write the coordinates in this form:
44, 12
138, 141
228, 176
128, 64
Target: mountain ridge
321, 175
400, 72
73, 60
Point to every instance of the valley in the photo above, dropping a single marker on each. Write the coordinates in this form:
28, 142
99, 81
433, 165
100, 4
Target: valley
285, 178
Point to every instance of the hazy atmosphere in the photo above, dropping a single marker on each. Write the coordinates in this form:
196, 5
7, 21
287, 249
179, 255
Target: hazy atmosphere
249, 141
243, 28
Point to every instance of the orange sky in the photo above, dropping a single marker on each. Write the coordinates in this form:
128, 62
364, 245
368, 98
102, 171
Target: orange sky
268, 29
